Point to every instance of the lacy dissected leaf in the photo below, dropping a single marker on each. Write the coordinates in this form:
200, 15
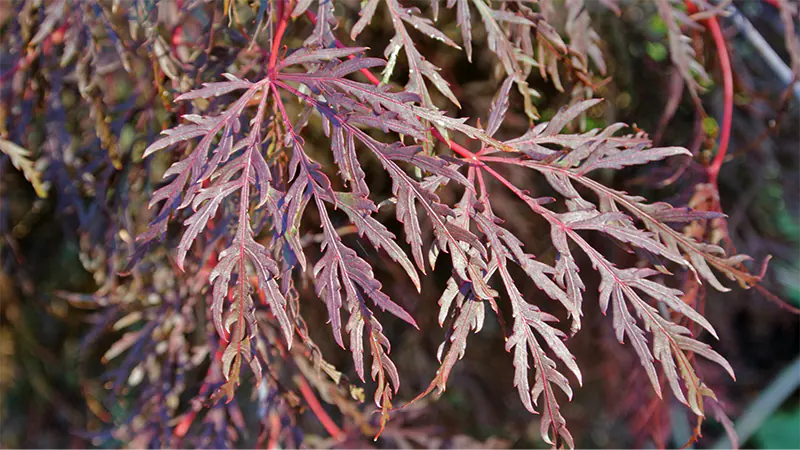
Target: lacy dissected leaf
499, 107
496, 37
700, 256
448, 235
580, 154
247, 158
620, 227
322, 35
376, 105
549, 50
228, 159
670, 341
190, 172
342, 278
469, 314
307, 55
583, 39
418, 66
516, 61
680, 46
360, 211
544, 141
407, 191
211, 182
506, 247
552, 54
341, 268
464, 22
19, 158
527, 319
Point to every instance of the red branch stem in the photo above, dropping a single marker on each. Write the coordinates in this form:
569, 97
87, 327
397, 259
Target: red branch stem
283, 22
727, 89
727, 86
326, 421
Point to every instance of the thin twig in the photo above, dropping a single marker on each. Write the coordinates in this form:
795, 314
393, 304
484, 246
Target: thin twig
326, 421
727, 88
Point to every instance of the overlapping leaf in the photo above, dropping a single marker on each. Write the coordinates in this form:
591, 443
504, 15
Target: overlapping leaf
680, 46
223, 163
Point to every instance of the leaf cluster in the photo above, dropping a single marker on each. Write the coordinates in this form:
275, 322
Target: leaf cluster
267, 159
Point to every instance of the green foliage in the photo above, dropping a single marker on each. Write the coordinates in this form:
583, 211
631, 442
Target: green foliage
780, 430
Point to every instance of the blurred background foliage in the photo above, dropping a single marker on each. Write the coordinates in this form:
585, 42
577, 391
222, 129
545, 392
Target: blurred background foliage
53, 382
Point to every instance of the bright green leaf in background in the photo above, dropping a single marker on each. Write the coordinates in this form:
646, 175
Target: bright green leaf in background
782, 430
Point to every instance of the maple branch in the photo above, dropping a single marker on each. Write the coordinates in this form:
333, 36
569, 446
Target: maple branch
246, 180
745, 278
284, 12
727, 87
324, 419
